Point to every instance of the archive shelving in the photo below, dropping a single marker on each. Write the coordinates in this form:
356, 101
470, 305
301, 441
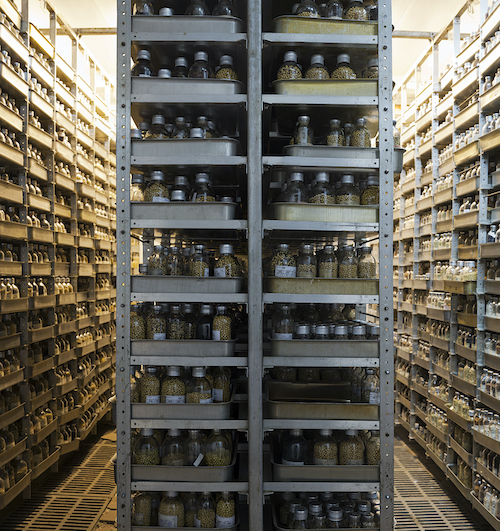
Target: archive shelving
42, 105
442, 169
262, 122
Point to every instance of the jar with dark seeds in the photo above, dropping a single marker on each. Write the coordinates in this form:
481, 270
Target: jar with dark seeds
373, 449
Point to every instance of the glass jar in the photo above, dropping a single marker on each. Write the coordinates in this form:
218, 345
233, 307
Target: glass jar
225, 511
367, 267
181, 130
295, 191
137, 323
224, 8
355, 11
175, 323
226, 70
200, 69
348, 192
373, 449
373, 11
283, 323
328, 266
217, 450
325, 450
371, 71
308, 8
371, 388
306, 262
396, 135
205, 511
171, 510
347, 134
197, 8
146, 450
222, 385
180, 67
157, 190
348, 267
150, 386
202, 192
361, 135
300, 518
199, 265
143, 7
204, 323
173, 389
343, 69
303, 134
173, 449
289, 69
370, 195
335, 137
352, 449
174, 262
222, 324
317, 69
227, 265
157, 263
282, 263
156, 324
333, 10
322, 192
137, 187
158, 130
294, 448
194, 448
142, 67
141, 512
198, 389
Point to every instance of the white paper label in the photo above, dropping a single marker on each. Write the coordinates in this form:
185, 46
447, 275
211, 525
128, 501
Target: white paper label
175, 399
199, 459
292, 463
152, 399
219, 272
157, 199
374, 397
206, 400
216, 335
167, 520
206, 272
225, 521
285, 271
160, 336
282, 337
218, 394
325, 462
197, 523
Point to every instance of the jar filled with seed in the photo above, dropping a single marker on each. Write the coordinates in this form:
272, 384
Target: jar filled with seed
205, 511
282, 263
222, 324
217, 450
309, 374
367, 267
335, 137
157, 130
189, 321
351, 449
194, 448
355, 11
325, 449
303, 134
198, 389
174, 262
283, 323
370, 392
150, 386
348, 268
199, 266
371, 71
333, 10
137, 323
227, 265
328, 266
157, 190
361, 135
137, 187
295, 192
146, 450
306, 262
303, 331
343, 69
157, 263
284, 507
347, 134
173, 389
222, 385
373, 449
189, 499
204, 323
171, 511
173, 449
181, 68
225, 511
294, 448
141, 511
156, 324
358, 332
317, 69
202, 192
200, 69
175, 323
370, 195
321, 192
289, 69
308, 8
226, 69
203, 125
348, 192
396, 133
285, 374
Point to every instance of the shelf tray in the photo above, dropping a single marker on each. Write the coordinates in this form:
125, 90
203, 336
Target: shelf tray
186, 24
322, 411
167, 284
325, 213
322, 26
185, 147
327, 87
309, 391
192, 348
183, 211
159, 86
346, 152
278, 526
329, 348
322, 286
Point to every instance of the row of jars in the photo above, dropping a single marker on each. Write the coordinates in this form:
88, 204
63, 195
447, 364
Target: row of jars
347, 135
327, 510
183, 448
467, 371
185, 509
182, 128
438, 329
462, 405
12, 473
443, 214
462, 271
177, 322
345, 191
487, 495
491, 344
487, 422
195, 8
463, 438
438, 387
490, 382
344, 263
175, 386
439, 300
442, 359
464, 472
171, 261
468, 338
438, 418
469, 205
490, 460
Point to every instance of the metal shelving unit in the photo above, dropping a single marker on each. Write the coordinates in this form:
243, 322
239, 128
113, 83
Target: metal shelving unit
251, 117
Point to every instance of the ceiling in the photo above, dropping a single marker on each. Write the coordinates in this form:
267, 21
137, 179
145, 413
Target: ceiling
408, 15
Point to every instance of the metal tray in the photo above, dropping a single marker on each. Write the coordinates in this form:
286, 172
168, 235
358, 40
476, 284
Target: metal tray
327, 87
309, 391
173, 85
182, 211
345, 152
330, 348
322, 411
166, 284
324, 213
214, 474
186, 24
322, 286
192, 348
296, 24
185, 147
277, 525
156, 528
219, 411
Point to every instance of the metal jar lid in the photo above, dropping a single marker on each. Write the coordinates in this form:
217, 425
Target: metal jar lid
307, 248
180, 61
335, 123
180, 120
284, 247
343, 58
199, 248
226, 60
164, 73
196, 132
178, 195
137, 178
317, 58
335, 515
174, 370
135, 134
157, 175
143, 269
340, 330
226, 248
374, 330
322, 177
166, 12
290, 56
347, 179
332, 329
315, 508
144, 54
296, 176
361, 122
322, 330
363, 507
373, 61
325, 433
201, 56
301, 513
372, 180
158, 119
175, 308
227, 199
144, 126
181, 180
359, 330
328, 249
303, 330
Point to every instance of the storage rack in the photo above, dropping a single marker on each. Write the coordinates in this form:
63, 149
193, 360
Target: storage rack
39, 59
469, 103
260, 51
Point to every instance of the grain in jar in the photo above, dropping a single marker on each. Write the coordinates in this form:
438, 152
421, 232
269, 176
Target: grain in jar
137, 187
355, 11
198, 389
370, 195
226, 69
222, 324
303, 134
325, 449
322, 193
146, 450
373, 449
173, 388
156, 324
137, 323
351, 449
175, 323
189, 499
181, 68
217, 450
157, 262
295, 191
227, 265
370, 388
141, 511
202, 192
306, 262
158, 130
289, 69
171, 510
371, 71
294, 448
348, 192
205, 511
283, 322
367, 266
361, 135
172, 449
308, 9
317, 69
343, 69
282, 263
222, 385
335, 137
328, 266
150, 386
198, 265
200, 69
348, 267
157, 191
225, 511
